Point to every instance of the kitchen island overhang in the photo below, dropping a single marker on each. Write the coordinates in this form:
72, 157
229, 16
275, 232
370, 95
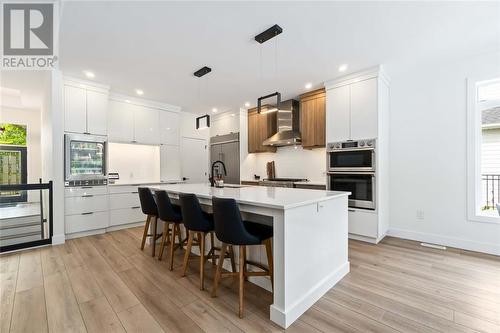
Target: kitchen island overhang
310, 240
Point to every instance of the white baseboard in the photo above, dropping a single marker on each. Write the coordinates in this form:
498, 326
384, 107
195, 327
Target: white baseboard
363, 238
286, 318
58, 239
446, 241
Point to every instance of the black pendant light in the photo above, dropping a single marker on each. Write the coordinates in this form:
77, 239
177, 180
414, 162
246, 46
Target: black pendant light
261, 38
202, 122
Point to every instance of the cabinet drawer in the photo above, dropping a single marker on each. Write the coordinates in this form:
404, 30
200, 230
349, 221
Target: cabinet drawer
92, 221
85, 204
123, 189
125, 216
124, 200
363, 223
85, 190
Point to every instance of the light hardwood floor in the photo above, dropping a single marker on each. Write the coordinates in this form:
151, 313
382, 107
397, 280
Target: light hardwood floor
106, 284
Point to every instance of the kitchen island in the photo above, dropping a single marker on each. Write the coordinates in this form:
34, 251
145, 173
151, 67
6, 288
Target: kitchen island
309, 243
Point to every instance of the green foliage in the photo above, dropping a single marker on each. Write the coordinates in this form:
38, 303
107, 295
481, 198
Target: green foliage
11, 134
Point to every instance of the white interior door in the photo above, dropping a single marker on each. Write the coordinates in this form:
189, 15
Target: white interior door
194, 160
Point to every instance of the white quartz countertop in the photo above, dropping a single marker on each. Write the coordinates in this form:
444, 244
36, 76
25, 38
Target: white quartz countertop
272, 197
147, 183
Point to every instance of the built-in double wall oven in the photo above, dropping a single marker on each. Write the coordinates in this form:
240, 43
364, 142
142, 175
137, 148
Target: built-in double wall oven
351, 167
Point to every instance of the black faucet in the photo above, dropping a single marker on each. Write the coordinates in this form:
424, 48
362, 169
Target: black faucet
212, 178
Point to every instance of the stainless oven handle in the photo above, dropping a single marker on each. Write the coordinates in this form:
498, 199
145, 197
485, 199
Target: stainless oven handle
351, 173
352, 149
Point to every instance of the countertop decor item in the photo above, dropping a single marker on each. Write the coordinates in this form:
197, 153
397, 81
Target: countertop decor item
270, 169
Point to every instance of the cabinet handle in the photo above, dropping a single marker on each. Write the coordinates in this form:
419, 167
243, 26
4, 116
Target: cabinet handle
87, 196
86, 186
135, 192
89, 213
351, 210
136, 207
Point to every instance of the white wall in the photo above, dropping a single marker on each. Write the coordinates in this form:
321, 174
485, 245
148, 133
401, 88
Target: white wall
428, 154
134, 163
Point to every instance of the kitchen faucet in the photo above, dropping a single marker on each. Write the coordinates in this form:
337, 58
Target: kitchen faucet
212, 178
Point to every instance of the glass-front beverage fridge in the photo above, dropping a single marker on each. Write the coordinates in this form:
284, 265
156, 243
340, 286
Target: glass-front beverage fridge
85, 160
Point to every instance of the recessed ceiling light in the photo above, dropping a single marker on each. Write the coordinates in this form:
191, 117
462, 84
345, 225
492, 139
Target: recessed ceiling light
342, 68
89, 74
139, 92
309, 85
247, 104
127, 101
214, 110
232, 114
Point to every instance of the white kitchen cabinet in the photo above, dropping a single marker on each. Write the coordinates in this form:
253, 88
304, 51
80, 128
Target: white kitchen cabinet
129, 122
363, 223
86, 222
121, 121
364, 109
169, 128
75, 109
170, 163
85, 109
146, 125
338, 117
352, 110
126, 216
97, 112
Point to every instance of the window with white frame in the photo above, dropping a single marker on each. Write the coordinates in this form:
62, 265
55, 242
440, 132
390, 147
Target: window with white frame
484, 150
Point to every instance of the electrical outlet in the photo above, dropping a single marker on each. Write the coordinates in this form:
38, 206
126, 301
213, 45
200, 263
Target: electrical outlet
420, 214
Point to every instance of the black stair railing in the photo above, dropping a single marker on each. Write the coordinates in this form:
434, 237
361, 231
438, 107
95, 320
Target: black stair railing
45, 217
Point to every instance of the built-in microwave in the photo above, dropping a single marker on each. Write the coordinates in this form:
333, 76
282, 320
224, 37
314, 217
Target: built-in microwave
349, 156
84, 160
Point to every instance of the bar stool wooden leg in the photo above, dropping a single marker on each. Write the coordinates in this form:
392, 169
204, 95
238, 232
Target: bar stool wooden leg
269, 252
188, 251
166, 230
172, 243
218, 271
179, 236
245, 265
241, 279
212, 246
145, 234
202, 260
155, 225
231, 257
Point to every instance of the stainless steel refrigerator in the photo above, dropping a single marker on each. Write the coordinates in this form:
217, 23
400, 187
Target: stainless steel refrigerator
226, 148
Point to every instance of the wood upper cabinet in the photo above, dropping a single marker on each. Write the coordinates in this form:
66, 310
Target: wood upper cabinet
312, 118
260, 127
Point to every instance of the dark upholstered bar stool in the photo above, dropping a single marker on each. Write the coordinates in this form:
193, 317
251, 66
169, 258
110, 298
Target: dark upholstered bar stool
198, 223
171, 215
149, 208
232, 230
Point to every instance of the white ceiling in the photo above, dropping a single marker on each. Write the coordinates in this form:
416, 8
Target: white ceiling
156, 46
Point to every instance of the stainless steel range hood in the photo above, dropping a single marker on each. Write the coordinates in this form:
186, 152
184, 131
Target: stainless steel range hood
288, 120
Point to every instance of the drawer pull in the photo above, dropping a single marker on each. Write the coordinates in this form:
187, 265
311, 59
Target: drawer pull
135, 192
89, 213
86, 186
136, 207
87, 196
351, 210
